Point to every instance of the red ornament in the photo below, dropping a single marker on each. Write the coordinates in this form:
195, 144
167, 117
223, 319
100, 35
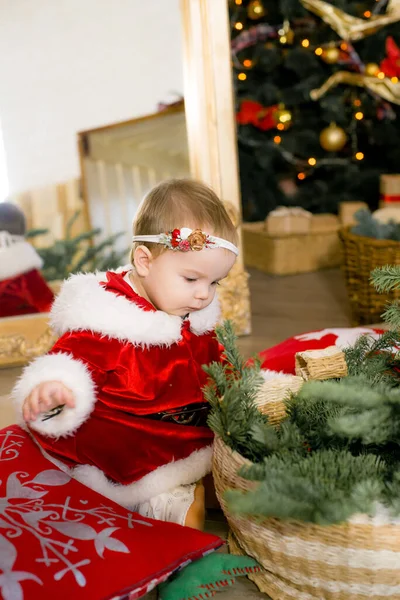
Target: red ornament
391, 64
254, 113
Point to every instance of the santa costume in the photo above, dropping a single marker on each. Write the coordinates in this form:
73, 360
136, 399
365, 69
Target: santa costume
138, 429
22, 288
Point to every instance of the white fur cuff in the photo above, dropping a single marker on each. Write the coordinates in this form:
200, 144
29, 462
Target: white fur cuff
73, 374
17, 259
164, 479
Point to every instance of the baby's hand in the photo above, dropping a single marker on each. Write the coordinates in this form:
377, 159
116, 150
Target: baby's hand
46, 396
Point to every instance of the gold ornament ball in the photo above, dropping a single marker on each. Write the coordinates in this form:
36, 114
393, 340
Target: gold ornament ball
256, 10
331, 55
372, 69
333, 138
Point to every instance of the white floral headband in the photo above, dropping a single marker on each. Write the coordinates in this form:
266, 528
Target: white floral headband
186, 239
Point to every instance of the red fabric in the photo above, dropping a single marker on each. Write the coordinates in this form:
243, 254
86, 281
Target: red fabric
25, 294
133, 383
390, 199
256, 114
391, 64
60, 539
282, 356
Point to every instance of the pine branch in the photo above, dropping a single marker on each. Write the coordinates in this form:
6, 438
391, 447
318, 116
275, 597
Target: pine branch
324, 488
231, 394
391, 315
386, 278
373, 359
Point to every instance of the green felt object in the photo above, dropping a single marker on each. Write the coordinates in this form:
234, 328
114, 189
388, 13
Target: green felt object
205, 577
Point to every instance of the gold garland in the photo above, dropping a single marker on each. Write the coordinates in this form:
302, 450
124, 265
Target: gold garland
354, 28
385, 88
17, 350
349, 27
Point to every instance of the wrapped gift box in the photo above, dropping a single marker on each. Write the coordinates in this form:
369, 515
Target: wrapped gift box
390, 190
287, 221
324, 223
347, 210
286, 254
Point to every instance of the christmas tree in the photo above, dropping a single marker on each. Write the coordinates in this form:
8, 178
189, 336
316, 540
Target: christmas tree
318, 95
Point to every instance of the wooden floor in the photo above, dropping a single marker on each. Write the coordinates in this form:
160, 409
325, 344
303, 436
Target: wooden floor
281, 307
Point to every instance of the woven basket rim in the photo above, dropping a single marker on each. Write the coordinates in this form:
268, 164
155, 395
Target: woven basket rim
346, 234
218, 440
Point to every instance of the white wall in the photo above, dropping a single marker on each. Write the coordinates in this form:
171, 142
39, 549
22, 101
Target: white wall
70, 65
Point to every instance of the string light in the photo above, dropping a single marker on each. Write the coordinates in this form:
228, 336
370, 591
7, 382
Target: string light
381, 75
305, 43
394, 79
312, 162
283, 39
280, 126
359, 155
247, 62
238, 2
258, 9
343, 46
318, 51
367, 14
301, 176
359, 115
242, 76
277, 139
238, 25
357, 102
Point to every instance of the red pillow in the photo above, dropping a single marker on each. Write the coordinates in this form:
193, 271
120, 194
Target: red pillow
282, 356
59, 539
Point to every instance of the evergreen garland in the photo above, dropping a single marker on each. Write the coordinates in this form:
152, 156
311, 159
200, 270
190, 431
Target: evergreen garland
76, 254
337, 453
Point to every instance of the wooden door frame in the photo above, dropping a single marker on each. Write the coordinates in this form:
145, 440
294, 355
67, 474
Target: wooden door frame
211, 126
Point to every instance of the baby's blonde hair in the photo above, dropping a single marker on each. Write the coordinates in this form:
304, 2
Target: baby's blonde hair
178, 203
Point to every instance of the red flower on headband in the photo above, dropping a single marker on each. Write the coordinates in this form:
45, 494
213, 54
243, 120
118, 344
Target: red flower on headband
175, 235
184, 245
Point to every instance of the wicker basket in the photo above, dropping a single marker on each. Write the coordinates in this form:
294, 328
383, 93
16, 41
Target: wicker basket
309, 562
271, 396
361, 256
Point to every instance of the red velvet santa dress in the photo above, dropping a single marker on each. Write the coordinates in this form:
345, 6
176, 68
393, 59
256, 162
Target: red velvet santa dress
22, 288
138, 427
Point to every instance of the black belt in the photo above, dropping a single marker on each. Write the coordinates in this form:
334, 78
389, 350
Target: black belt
194, 414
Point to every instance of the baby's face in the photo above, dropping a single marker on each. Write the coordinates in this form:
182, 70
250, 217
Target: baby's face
182, 282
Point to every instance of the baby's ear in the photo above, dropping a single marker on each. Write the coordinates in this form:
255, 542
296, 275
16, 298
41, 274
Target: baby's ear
142, 259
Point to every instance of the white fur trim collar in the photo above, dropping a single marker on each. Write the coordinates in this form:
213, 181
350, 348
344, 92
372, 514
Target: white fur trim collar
165, 478
17, 259
84, 304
